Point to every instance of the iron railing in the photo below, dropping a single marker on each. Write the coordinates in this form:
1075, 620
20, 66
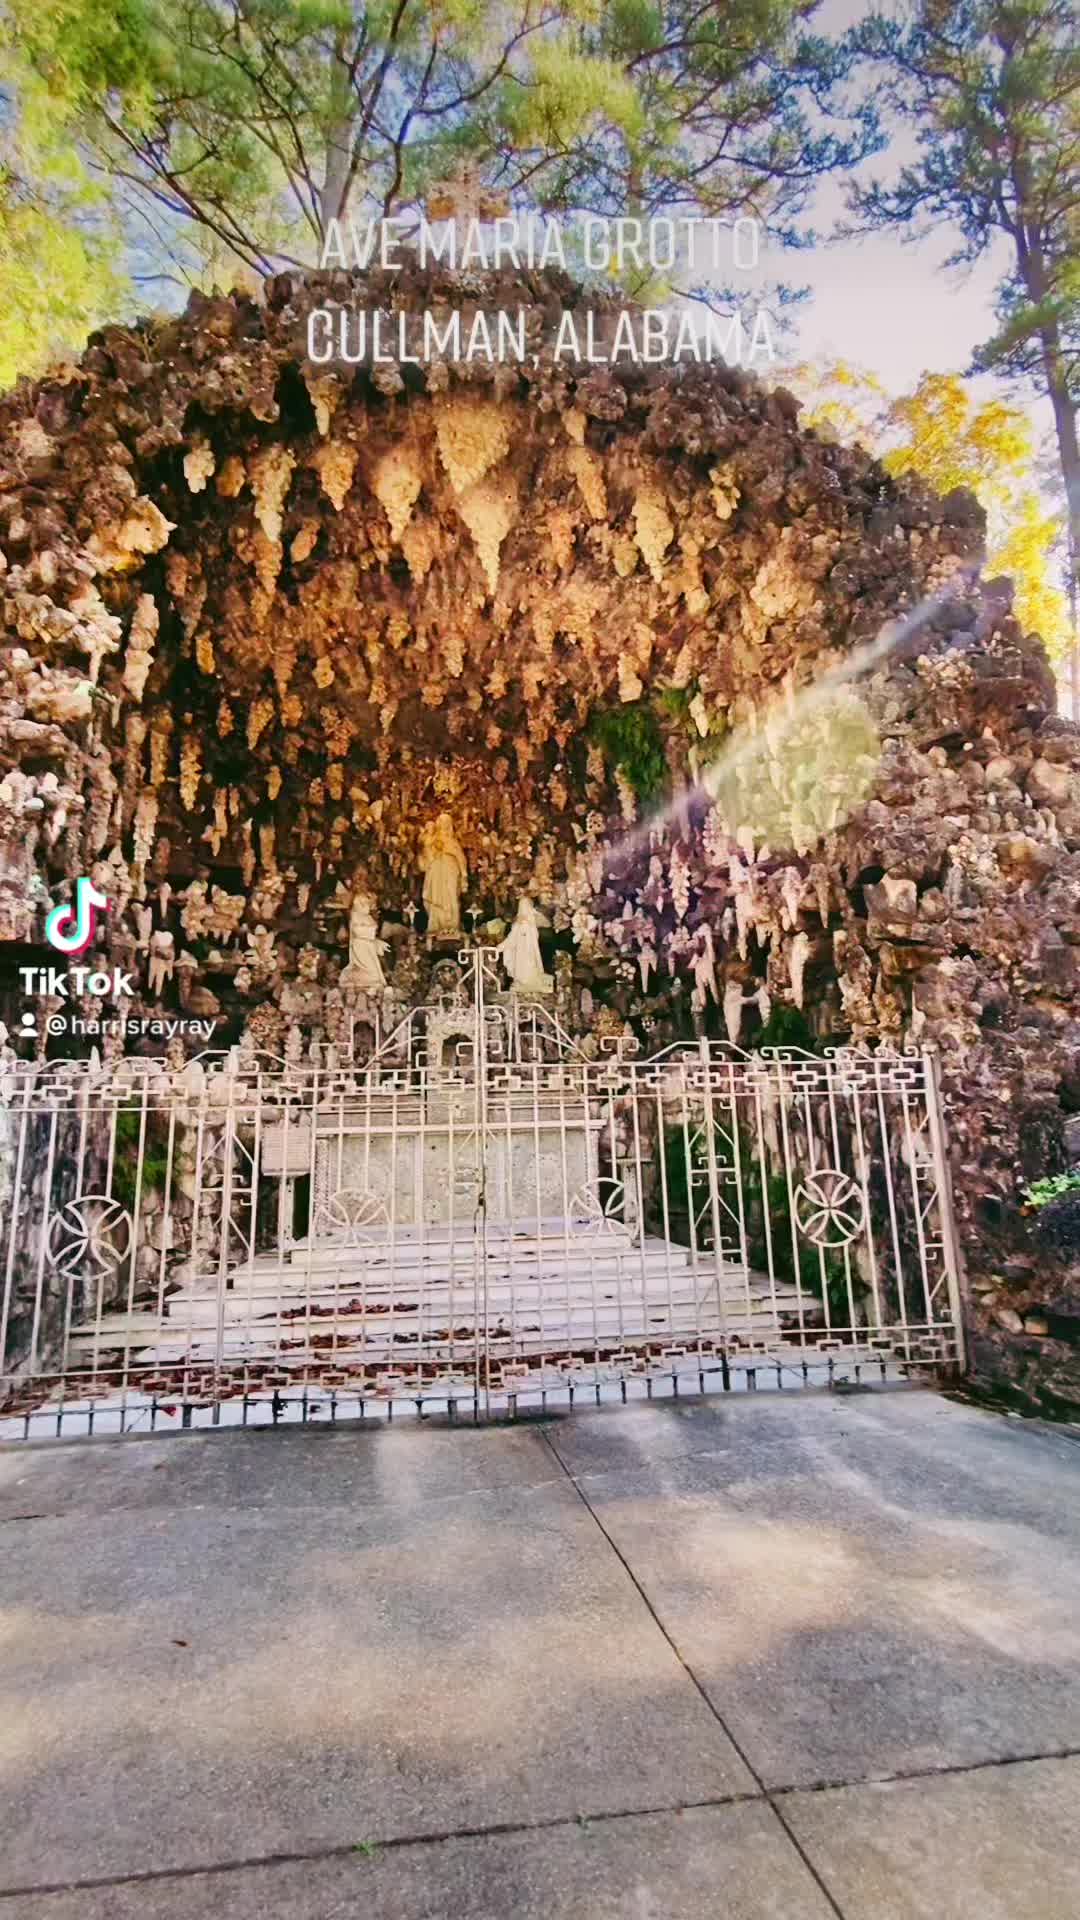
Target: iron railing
470, 1222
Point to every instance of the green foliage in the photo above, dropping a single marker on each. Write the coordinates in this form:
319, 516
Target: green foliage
228, 138
766, 1198
155, 1167
59, 240
1041, 1192
786, 1027
949, 438
675, 703
631, 740
566, 91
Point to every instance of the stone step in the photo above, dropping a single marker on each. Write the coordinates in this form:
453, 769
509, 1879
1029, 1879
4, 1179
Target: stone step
536, 1287
382, 1270
437, 1243
652, 1278
522, 1253
249, 1289
384, 1274
292, 1341
513, 1324
438, 1304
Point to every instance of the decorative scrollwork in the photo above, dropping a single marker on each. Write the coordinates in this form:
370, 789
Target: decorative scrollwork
597, 1208
91, 1235
829, 1208
350, 1216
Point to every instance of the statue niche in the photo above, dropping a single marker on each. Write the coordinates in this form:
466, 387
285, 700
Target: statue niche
451, 1046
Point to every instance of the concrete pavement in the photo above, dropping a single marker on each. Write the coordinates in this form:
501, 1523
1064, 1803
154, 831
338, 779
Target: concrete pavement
776, 1655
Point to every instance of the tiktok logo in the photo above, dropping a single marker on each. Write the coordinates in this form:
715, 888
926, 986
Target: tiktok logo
71, 929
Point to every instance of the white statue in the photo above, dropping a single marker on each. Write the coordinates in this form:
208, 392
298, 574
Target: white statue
442, 864
162, 961
365, 947
521, 952
703, 967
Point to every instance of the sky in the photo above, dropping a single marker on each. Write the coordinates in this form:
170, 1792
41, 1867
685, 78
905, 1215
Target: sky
881, 302
892, 308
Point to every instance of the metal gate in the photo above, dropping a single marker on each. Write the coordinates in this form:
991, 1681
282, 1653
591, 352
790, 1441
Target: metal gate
484, 1216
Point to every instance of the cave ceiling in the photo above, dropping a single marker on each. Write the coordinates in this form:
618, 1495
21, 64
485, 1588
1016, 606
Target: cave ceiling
299, 598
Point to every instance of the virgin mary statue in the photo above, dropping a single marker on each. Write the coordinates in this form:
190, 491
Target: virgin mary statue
442, 864
521, 952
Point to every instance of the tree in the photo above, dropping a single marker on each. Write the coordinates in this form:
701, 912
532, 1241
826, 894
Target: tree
991, 91
59, 250
244, 127
841, 402
941, 433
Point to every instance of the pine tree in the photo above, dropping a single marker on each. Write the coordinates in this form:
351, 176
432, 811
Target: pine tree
991, 91
241, 130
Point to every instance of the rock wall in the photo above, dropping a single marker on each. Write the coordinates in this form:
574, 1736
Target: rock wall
263, 622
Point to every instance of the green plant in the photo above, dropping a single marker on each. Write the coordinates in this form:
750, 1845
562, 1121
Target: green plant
786, 1027
765, 1201
1041, 1192
155, 1166
631, 740
675, 702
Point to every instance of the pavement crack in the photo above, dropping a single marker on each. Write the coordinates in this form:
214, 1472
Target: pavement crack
943, 1772
763, 1791
551, 1823
347, 1849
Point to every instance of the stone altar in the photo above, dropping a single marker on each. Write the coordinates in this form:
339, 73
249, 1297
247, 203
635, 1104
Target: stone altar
414, 1158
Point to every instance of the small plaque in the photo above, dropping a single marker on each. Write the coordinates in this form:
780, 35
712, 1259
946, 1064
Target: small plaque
287, 1149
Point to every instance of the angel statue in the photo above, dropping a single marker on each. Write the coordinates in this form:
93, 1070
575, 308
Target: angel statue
445, 872
520, 952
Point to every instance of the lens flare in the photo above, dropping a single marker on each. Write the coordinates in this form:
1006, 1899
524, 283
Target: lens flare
808, 762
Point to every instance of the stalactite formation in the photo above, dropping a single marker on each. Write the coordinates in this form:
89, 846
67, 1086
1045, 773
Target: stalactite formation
263, 625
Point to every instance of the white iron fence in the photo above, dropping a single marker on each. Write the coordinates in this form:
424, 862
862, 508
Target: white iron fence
481, 1218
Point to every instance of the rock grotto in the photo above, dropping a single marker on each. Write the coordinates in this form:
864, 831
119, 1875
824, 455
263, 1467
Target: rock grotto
264, 624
